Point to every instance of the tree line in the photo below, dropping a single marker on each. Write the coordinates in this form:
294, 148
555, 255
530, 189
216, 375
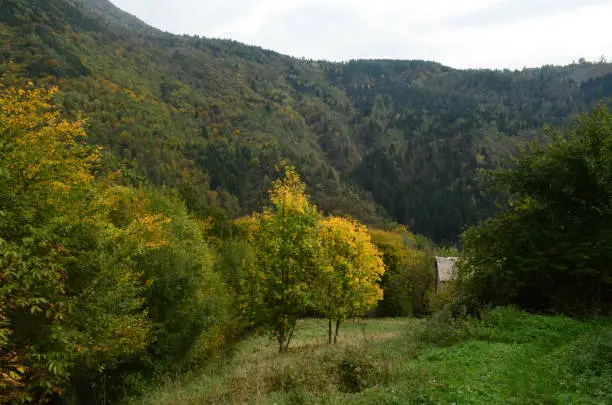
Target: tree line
548, 250
382, 141
106, 285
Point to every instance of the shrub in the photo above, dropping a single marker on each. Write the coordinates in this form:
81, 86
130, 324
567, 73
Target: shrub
98, 280
443, 297
593, 354
188, 303
547, 250
410, 277
442, 330
360, 369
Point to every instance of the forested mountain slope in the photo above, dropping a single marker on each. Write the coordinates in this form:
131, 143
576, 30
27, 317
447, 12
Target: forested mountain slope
380, 140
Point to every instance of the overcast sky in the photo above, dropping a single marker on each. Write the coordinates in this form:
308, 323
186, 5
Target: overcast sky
459, 33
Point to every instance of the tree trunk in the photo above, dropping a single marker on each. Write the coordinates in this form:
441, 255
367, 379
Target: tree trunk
290, 334
285, 333
337, 327
329, 332
281, 340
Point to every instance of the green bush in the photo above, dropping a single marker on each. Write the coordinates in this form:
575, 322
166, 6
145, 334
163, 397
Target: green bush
593, 354
101, 284
502, 324
360, 369
548, 249
442, 330
409, 281
443, 297
188, 303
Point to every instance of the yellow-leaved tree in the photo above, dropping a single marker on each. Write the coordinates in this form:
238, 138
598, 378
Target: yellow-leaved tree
277, 286
351, 270
410, 280
70, 297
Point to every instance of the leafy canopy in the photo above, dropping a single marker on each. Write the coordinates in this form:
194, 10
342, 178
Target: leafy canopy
352, 267
97, 278
283, 238
548, 250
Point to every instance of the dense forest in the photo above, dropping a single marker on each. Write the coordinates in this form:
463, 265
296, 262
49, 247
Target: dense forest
385, 141
163, 196
106, 286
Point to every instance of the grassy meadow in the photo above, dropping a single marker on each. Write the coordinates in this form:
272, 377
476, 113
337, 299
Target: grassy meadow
507, 357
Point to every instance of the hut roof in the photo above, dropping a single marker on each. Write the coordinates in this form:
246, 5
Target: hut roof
447, 268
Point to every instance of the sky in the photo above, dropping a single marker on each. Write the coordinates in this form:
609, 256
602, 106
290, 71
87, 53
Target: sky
494, 34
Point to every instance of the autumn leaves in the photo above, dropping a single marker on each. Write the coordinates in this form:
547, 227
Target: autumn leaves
99, 278
305, 262
87, 261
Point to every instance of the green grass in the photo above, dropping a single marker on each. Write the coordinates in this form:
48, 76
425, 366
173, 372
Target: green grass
508, 357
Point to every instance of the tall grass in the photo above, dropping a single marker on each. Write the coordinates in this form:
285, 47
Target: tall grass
507, 357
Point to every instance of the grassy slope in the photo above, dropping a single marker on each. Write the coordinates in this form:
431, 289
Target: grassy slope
507, 358
256, 373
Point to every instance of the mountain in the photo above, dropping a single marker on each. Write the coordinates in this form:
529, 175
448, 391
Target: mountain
110, 14
382, 140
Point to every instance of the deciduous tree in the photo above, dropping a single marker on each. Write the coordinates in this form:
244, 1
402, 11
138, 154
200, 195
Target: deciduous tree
284, 238
352, 266
548, 249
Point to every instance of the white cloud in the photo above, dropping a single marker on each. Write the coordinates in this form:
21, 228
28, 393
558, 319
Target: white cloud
468, 33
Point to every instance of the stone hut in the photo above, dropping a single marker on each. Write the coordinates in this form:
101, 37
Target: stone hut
446, 269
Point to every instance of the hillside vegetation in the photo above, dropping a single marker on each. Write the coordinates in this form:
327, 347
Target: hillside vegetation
380, 140
168, 204
106, 286
508, 357
548, 249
